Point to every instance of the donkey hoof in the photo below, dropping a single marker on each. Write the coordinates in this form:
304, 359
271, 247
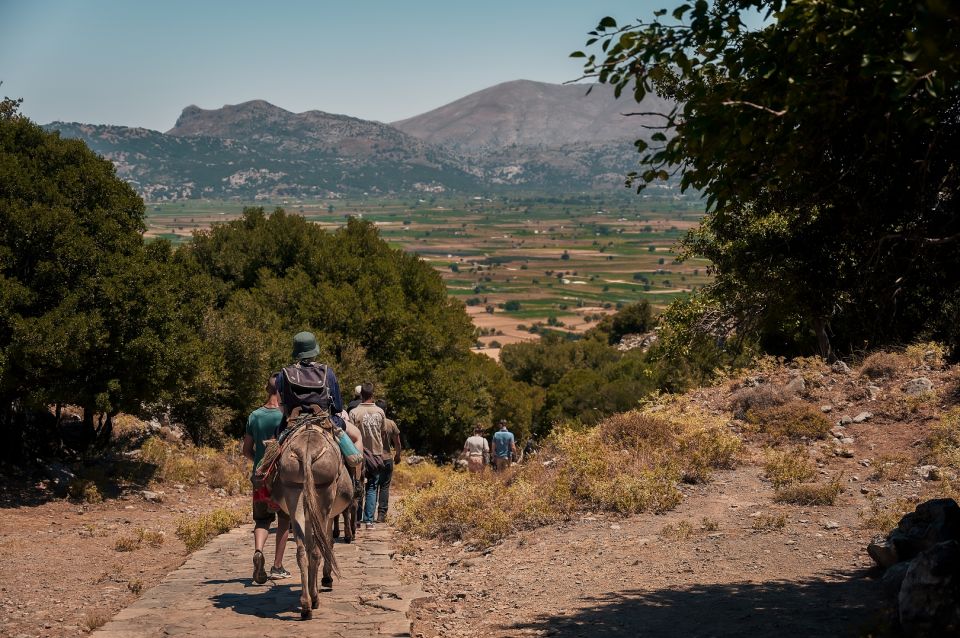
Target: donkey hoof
315, 603
348, 539
327, 582
306, 614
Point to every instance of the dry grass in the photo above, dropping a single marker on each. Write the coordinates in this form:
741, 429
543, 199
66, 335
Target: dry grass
761, 397
884, 365
786, 467
190, 465
415, 477
95, 619
931, 354
629, 463
769, 522
85, 490
197, 531
679, 532
891, 467
883, 517
944, 440
708, 524
135, 586
793, 420
809, 493
138, 538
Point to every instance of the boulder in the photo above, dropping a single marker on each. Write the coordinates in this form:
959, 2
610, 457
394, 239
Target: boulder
152, 497
929, 598
932, 522
460, 465
929, 472
796, 386
415, 460
883, 552
893, 579
918, 386
840, 367
863, 416
873, 392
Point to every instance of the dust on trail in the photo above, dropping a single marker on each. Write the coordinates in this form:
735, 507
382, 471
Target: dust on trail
212, 595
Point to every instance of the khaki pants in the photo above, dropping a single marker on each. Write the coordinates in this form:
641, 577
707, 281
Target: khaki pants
500, 463
475, 463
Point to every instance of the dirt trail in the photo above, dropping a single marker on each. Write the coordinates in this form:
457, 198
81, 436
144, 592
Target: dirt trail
608, 576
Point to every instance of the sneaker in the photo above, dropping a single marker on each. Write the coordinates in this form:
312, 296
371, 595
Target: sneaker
369, 525
278, 573
259, 573
381, 518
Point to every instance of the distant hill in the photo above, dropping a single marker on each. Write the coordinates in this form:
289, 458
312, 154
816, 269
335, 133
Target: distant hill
519, 134
533, 114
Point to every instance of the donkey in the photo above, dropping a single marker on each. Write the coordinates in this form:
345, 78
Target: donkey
312, 486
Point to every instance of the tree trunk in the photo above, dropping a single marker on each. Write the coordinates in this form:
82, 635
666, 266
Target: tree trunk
823, 340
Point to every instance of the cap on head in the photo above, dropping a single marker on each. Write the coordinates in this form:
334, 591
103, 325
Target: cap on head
304, 346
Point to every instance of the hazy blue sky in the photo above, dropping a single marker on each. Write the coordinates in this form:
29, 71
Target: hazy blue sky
139, 63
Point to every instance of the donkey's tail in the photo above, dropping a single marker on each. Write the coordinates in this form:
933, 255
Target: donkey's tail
313, 511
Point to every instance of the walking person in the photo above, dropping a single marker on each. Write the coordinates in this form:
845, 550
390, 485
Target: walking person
391, 456
261, 425
368, 418
504, 447
476, 449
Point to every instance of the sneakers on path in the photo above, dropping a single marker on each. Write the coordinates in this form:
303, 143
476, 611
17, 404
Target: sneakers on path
278, 573
259, 573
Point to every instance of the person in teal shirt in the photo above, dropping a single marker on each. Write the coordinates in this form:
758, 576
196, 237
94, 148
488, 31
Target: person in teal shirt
262, 425
504, 447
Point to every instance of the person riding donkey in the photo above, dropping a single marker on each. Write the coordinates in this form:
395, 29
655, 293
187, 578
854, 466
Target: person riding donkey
305, 467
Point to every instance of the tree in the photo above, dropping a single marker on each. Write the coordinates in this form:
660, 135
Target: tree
88, 315
824, 142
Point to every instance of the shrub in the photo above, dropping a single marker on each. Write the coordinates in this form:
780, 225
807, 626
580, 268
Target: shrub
679, 532
793, 420
85, 490
809, 493
880, 365
198, 531
884, 517
192, 465
95, 619
786, 467
415, 477
769, 522
135, 586
944, 439
930, 353
127, 544
761, 397
891, 467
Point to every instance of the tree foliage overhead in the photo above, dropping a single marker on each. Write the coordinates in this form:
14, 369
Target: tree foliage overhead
824, 142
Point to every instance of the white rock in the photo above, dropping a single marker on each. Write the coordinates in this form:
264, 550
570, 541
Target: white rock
863, 416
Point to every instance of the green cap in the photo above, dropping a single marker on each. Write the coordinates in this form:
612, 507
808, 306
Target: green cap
304, 346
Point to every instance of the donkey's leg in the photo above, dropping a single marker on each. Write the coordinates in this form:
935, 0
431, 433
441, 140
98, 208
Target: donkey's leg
327, 567
315, 558
298, 521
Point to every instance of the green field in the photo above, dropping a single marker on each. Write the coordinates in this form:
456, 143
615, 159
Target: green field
564, 262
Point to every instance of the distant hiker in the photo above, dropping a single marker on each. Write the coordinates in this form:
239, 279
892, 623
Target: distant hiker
391, 455
356, 400
368, 417
261, 425
476, 449
504, 447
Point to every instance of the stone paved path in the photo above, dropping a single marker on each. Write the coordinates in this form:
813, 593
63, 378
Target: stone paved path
212, 595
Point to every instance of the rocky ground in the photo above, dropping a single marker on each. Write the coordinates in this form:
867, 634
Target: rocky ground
62, 572
728, 561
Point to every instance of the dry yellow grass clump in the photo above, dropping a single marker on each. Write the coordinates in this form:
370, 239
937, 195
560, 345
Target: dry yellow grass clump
415, 477
190, 465
944, 440
809, 493
197, 531
629, 463
792, 420
785, 467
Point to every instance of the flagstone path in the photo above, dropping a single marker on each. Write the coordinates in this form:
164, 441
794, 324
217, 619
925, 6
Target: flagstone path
212, 595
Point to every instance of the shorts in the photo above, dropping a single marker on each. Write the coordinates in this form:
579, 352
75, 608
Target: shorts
264, 510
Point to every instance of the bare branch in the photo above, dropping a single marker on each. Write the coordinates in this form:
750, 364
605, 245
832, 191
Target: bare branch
755, 106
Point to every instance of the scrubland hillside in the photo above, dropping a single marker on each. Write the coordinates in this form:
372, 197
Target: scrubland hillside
751, 500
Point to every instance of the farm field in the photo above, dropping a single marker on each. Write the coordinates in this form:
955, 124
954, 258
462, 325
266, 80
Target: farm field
520, 265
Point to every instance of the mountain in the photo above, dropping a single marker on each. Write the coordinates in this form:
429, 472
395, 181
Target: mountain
545, 136
526, 135
534, 114
256, 149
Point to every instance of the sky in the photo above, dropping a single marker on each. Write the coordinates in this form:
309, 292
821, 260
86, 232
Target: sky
139, 63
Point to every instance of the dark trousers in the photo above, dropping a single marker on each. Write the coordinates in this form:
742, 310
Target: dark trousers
383, 499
